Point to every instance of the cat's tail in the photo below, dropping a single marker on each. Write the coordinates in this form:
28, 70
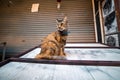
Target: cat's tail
38, 56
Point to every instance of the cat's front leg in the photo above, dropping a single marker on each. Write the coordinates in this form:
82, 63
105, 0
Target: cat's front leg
62, 53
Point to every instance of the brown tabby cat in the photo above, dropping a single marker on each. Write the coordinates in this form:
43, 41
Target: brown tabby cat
52, 46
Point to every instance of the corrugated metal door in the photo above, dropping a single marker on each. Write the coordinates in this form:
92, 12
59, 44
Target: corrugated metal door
22, 29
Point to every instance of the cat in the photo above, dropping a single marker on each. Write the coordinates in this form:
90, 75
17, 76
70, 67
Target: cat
52, 46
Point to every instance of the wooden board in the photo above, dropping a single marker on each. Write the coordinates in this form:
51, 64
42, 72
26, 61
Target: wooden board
104, 73
36, 71
84, 54
85, 45
33, 71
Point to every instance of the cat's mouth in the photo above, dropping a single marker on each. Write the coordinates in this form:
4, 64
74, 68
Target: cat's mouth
61, 29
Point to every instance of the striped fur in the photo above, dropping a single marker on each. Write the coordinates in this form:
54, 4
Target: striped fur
52, 46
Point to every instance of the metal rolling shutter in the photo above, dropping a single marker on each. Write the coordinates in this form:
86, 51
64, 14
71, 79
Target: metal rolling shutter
22, 29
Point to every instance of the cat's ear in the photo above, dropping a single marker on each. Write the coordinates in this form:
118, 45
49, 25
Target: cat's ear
65, 19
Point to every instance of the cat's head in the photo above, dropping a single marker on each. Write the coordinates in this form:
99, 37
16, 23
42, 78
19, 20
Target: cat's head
62, 24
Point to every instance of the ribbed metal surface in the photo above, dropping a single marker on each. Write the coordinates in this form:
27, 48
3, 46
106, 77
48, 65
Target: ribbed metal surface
22, 29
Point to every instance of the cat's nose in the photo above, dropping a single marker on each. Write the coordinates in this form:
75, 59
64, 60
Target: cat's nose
60, 28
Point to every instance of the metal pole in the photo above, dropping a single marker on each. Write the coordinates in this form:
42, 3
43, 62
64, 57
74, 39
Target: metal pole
4, 50
94, 16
